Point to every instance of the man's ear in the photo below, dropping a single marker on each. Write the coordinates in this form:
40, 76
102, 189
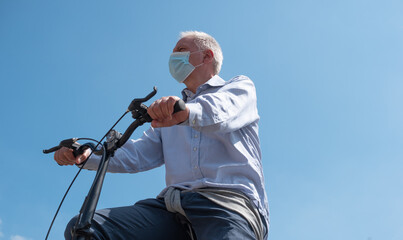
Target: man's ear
208, 56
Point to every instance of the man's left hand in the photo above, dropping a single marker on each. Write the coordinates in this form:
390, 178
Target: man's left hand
161, 111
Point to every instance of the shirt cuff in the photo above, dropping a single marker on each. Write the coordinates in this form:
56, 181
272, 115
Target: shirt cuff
195, 115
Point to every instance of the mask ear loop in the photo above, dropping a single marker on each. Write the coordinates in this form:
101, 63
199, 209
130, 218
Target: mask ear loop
199, 65
200, 50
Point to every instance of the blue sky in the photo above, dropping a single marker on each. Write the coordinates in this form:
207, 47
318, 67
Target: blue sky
329, 84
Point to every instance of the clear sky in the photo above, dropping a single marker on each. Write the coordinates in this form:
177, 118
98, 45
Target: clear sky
329, 78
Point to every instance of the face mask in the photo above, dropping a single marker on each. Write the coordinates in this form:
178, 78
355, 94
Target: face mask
179, 65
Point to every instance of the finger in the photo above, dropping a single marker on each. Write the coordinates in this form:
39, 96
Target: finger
164, 123
151, 112
156, 108
171, 104
59, 157
165, 109
68, 154
181, 116
80, 158
67, 157
156, 124
56, 157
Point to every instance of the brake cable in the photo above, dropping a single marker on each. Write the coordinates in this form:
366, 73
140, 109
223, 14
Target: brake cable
79, 170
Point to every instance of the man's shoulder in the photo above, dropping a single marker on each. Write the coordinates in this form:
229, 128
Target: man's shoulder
240, 81
217, 81
237, 82
239, 78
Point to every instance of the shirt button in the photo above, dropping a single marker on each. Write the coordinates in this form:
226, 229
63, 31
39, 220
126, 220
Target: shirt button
194, 121
195, 149
196, 136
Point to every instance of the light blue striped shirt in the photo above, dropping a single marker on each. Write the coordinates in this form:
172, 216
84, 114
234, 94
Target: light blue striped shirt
218, 146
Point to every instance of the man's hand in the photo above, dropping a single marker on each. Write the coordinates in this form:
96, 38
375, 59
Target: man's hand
161, 111
64, 156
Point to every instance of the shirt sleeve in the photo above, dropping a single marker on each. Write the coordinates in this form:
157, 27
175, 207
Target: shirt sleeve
228, 109
134, 156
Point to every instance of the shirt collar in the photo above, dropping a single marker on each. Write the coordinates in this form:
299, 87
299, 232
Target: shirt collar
215, 81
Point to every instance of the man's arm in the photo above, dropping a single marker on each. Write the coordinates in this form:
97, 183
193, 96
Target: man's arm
134, 156
230, 108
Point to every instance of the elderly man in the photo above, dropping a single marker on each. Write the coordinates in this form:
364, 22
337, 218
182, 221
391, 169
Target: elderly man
211, 151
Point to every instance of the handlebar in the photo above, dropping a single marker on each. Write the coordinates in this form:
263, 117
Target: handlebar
139, 113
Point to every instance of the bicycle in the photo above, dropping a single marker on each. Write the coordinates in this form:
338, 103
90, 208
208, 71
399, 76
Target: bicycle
114, 140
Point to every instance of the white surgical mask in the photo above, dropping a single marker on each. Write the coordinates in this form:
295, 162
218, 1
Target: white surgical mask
179, 65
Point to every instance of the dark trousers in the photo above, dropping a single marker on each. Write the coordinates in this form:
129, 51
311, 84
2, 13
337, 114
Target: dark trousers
149, 220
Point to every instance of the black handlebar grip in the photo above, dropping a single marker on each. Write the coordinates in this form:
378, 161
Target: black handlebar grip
179, 106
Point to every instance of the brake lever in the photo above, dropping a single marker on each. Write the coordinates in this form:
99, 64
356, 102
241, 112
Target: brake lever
68, 143
138, 109
137, 102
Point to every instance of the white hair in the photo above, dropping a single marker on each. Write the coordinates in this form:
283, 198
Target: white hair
204, 41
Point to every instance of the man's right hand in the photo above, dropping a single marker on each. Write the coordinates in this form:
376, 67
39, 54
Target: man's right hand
64, 156
161, 111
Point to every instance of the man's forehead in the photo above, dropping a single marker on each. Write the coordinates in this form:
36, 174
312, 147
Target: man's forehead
185, 42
